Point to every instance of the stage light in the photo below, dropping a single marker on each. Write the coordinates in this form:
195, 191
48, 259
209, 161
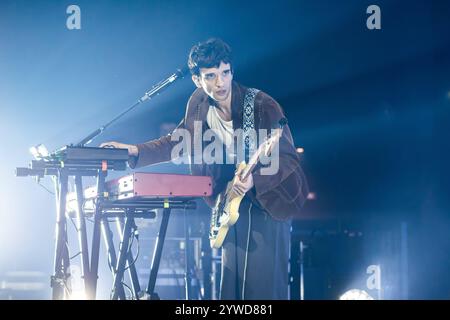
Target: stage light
356, 294
42, 150
311, 196
34, 152
78, 295
300, 150
39, 151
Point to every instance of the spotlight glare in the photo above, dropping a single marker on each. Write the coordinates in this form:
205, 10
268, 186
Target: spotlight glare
78, 295
34, 151
311, 196
39, 151
42, 150
356, 294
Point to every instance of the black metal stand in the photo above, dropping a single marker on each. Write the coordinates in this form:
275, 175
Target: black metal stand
61, 261
124, 211
92, 281
157, 255
191, 281
60, 280
187, 264
119, 289
206, 263
130, 260
123, 258
61, 170
82, 233
125, 255
73, 161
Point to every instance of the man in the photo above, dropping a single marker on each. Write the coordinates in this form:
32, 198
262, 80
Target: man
255, 253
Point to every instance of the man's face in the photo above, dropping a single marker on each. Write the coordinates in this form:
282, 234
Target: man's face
216, 82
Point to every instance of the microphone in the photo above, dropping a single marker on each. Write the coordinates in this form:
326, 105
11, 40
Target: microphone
157, 88
183, 71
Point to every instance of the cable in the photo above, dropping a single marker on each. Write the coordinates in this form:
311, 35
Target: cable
90, 220
125, 285
129, 249
246, 251
132, 236
74, 224
51, 192
74, 256
131, 291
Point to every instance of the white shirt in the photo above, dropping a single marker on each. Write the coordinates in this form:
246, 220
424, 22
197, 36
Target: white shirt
223, 129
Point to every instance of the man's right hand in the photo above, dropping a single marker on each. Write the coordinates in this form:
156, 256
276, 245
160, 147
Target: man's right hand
132, 149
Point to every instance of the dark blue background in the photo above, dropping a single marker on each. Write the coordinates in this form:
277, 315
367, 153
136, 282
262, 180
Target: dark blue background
370, 107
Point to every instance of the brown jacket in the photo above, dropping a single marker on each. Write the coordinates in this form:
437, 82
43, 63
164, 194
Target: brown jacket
282, 195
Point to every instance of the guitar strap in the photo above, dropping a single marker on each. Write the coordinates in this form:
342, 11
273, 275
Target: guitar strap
249, 136
248, 123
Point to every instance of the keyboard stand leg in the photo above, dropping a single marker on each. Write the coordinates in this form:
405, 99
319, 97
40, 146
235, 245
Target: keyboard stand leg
157, 255
123, 256
59, 281
118, 288
82, 234
130, 259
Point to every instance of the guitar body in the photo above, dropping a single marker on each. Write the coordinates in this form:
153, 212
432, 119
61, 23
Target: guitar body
225, 213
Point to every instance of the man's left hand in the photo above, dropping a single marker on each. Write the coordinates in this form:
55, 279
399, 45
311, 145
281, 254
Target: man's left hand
241, 187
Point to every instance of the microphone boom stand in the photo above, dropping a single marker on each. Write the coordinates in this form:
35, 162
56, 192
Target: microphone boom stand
155, 90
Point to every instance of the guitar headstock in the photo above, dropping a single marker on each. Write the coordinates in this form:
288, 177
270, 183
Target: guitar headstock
275, 135
283, 121
277, 129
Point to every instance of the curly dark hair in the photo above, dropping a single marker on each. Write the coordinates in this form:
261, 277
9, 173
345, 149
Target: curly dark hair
209, 54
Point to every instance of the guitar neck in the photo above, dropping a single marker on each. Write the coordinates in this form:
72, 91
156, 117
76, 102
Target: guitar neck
254, 159
266, 145
247, 170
